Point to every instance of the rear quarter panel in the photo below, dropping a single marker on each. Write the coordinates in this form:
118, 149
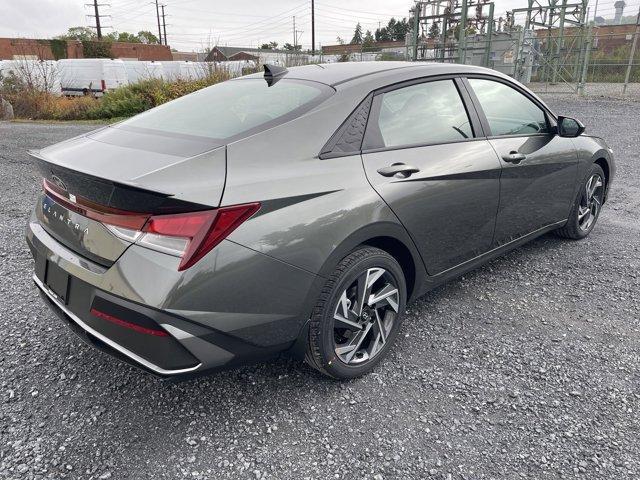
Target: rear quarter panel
309, 206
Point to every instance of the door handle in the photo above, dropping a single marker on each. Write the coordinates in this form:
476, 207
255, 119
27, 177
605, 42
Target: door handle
514, 157
398, 168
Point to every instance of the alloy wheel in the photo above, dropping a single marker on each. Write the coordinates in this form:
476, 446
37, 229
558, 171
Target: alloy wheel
590, 202
365, 315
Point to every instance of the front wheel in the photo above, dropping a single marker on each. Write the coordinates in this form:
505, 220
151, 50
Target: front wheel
358, 314
586, 207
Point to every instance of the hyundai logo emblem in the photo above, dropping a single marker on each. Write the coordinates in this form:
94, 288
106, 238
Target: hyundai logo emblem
58, 181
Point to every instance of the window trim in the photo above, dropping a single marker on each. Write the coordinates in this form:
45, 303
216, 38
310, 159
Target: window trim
327, 150
474, 120
548, 115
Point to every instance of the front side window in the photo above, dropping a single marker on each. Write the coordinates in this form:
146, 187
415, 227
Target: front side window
426, 113
508, 111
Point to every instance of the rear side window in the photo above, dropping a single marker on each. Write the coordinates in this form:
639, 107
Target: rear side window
231, 108
508, 111
426, 113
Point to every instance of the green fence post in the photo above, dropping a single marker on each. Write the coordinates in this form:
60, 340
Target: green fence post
489, 34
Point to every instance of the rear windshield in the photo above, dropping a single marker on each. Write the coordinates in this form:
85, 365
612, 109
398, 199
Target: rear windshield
231, 108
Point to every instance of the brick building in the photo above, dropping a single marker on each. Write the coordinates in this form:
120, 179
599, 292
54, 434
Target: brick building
606, 38
348, 48
12, 48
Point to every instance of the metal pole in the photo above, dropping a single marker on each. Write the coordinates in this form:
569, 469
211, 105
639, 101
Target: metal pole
584, 19
164, 26
559, 42
313, 28
527, 22
487, 53
632, 54
462, 34
585, 65
445, 26
98, 28
416, 31
158, 17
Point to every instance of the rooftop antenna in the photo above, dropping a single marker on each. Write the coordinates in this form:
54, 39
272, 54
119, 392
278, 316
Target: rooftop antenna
273, 73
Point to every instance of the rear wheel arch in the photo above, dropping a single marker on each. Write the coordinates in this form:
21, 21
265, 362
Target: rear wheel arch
402, 254
389, 237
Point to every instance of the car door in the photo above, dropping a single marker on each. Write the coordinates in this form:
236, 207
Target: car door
425, 155
539, 168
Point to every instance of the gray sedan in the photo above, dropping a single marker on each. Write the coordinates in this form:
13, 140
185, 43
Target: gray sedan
299, 210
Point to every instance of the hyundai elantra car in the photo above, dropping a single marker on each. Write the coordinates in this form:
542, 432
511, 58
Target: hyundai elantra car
299, 210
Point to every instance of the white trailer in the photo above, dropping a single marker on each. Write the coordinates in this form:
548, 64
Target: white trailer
91, 76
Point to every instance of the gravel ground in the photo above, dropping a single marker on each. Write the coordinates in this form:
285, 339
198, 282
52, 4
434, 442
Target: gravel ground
525, 368
609, 90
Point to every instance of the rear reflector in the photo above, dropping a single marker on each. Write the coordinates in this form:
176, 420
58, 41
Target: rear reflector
129, 325
189, 236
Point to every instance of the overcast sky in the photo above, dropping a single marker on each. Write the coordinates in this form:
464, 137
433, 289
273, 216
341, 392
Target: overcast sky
196, 24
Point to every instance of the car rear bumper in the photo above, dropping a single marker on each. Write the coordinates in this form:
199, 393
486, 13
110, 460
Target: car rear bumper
215, 315
99, 340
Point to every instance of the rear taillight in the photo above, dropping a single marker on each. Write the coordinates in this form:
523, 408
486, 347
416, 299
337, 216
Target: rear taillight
189, 236
103, 84
193, 235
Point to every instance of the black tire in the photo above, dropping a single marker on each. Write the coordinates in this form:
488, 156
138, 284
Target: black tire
321, 351
573, 228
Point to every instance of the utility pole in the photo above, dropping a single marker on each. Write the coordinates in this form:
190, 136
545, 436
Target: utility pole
158, 17
313, 27
96, 8
294, 33
164, 26
98, 29
632, 54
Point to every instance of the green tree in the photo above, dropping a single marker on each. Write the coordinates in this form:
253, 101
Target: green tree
145, 36
123, 37
339, 40
357, 34
395, 30
434, 30
269, 46
78, 33
368, 42
292, 48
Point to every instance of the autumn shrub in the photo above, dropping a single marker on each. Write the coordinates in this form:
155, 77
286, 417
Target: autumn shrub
122, 102
136, 98
44, 106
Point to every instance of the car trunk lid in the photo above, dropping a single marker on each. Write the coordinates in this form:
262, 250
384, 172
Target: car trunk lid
126, 174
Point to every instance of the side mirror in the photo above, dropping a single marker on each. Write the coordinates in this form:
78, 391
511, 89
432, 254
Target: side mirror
569, 127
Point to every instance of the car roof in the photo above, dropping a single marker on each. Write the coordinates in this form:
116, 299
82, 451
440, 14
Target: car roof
341, 72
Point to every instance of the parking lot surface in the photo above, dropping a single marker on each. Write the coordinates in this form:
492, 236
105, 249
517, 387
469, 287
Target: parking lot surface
526, 368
